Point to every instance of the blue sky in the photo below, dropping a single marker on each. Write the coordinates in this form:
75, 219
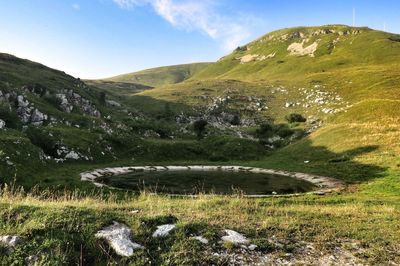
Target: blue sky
102, 38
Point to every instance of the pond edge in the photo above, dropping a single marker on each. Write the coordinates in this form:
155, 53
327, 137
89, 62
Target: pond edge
323, 183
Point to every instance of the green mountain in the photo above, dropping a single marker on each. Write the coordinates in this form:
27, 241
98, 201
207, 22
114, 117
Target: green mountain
320, 100
346, 78
155, 77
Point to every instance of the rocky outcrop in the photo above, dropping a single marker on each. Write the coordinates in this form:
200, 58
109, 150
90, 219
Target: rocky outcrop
298, 49
118, 236
68, 100
37, 117
28, 113
254, 57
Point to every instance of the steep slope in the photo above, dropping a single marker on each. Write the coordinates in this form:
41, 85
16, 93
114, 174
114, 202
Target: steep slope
155, 77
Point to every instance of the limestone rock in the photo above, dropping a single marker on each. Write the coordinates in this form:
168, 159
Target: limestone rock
118, 237
298, 49
163, 230
37, 117
234, 237
201, 239
113, 103
72, 155
10, 241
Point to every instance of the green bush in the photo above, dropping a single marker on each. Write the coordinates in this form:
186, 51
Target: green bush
265, 130
295, 118
42, 138
10, 117
199, 127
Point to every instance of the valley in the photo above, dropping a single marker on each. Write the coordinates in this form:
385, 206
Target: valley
313, 101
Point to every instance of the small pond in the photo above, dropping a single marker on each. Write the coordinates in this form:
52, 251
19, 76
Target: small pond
218, 182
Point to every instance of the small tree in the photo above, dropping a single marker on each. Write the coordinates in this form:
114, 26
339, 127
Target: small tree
265, 130
295, 118
199, 127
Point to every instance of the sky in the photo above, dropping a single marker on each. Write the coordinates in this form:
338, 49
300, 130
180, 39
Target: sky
104, 38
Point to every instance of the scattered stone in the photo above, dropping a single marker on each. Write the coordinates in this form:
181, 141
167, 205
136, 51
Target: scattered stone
163, 230
118, 237
234, 237
201, 239
31, 260
289, 104
10, 241
252, 247
72, 155
113, 103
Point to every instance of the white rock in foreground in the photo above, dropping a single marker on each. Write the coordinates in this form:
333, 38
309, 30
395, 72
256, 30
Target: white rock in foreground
163, 230
201, 239
10, 241
118, 237
234, 237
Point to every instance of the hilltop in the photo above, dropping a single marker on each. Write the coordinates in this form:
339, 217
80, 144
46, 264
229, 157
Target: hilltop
158, 76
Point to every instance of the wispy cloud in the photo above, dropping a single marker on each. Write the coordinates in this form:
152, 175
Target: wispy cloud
202, 16
76, 6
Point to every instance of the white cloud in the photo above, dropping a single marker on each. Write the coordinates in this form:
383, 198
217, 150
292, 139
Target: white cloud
76, 6
200, 15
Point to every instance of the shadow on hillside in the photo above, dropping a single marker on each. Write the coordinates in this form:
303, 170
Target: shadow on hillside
304, 157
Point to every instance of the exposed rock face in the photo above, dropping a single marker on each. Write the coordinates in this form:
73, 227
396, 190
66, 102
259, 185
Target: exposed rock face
27, 113
118, 237
254, 57
70, 100
298, 49
2, 124
234, 237
163, 230
37, 117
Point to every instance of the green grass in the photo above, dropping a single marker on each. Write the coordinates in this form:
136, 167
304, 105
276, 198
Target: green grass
62, 228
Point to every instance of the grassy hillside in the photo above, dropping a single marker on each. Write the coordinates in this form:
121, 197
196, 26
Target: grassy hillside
155, 77
337, 48
350, 83
343, 80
